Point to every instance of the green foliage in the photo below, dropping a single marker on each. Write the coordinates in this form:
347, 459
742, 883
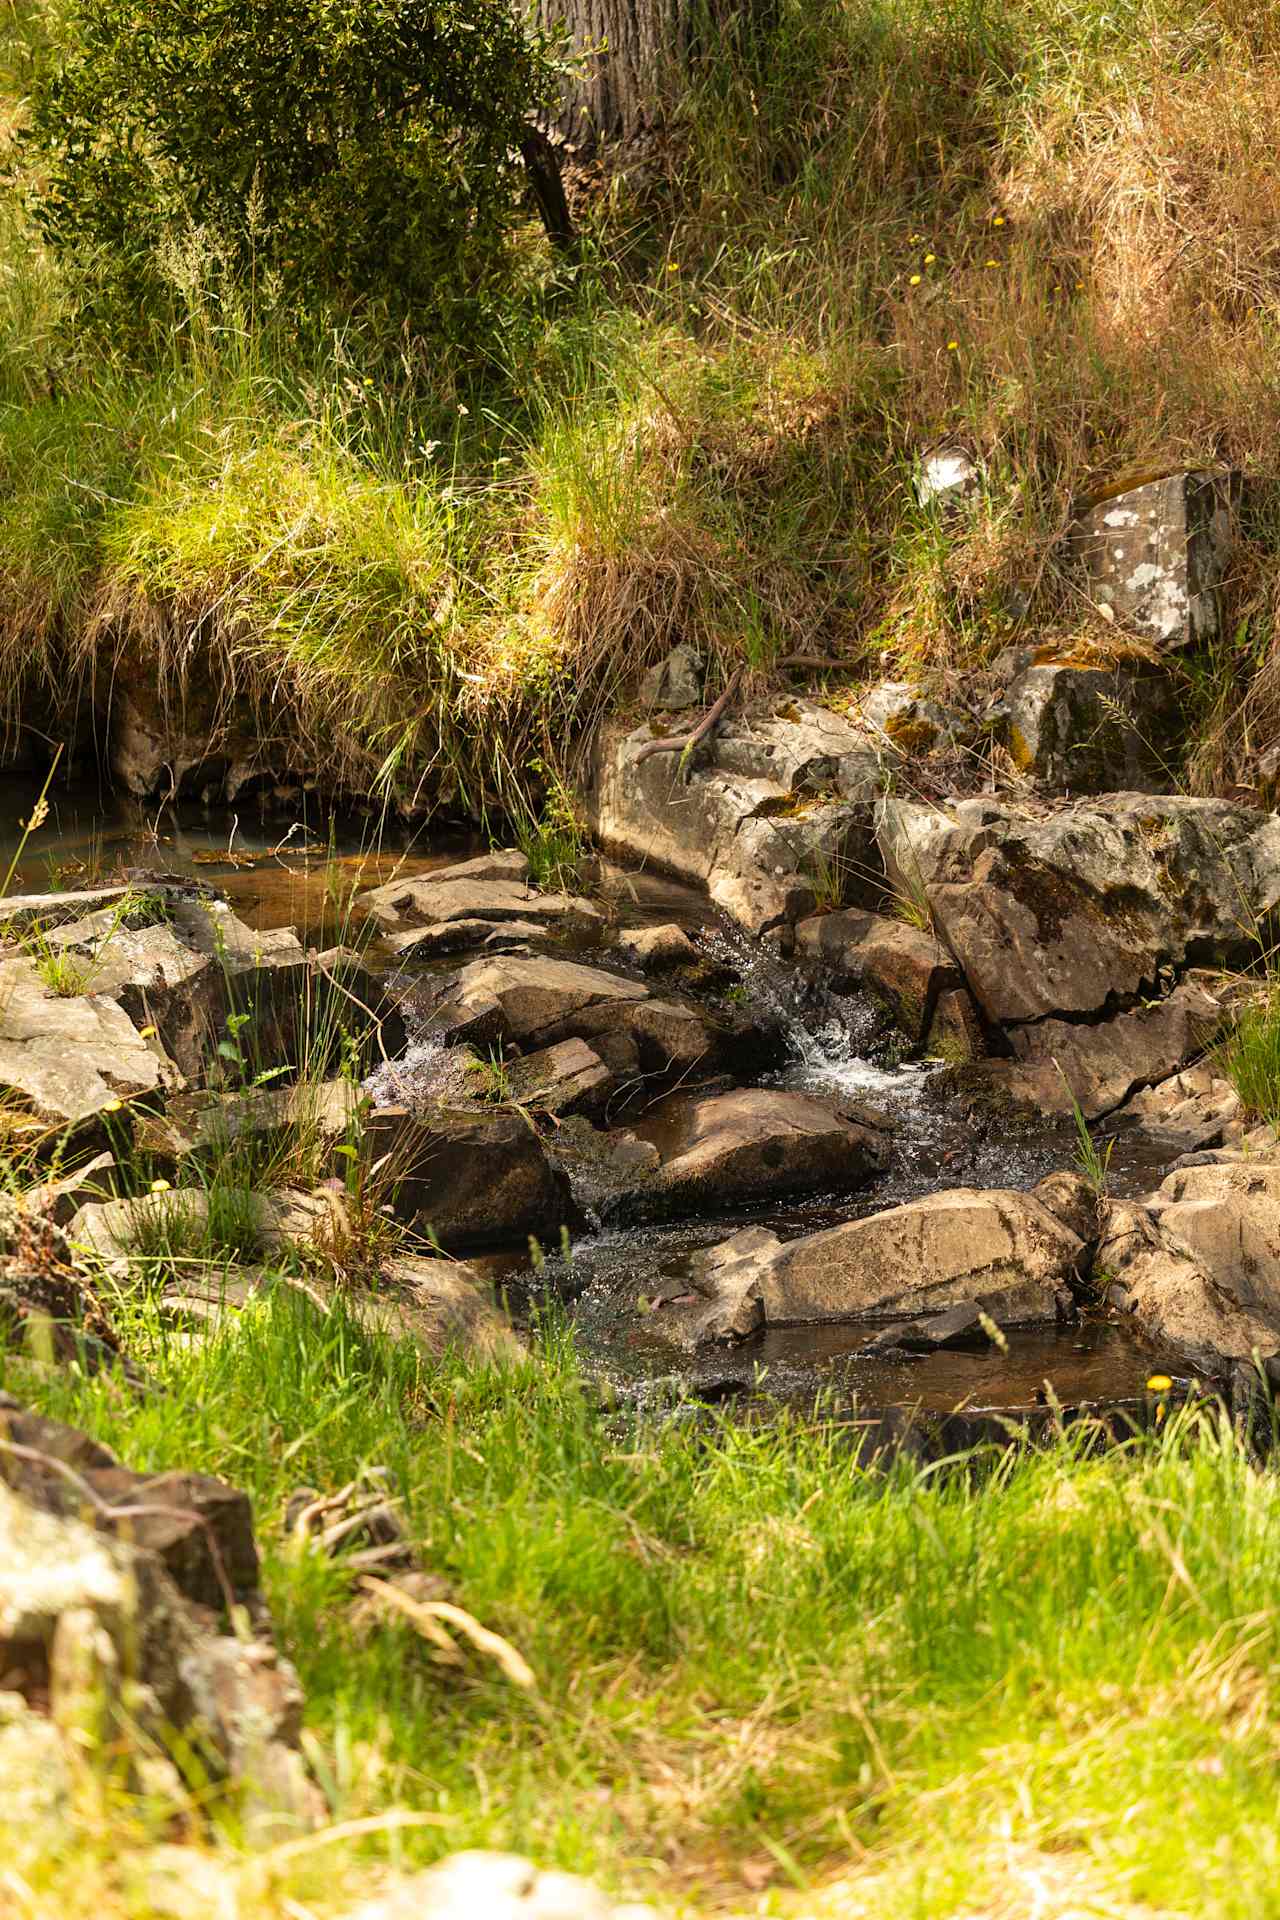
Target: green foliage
1249, 1056
335, 150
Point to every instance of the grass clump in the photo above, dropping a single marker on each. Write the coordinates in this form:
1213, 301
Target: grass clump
756, 1663
1249, 1056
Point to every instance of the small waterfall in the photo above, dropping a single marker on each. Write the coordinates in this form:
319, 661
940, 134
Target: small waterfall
838, 1043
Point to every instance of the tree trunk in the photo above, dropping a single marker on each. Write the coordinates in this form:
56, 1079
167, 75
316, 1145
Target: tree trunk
630, 50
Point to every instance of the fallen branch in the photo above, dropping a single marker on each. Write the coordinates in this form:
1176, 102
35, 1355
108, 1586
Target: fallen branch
684, 743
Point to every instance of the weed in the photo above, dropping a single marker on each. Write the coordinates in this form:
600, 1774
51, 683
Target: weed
1094, 1163
1249, 1055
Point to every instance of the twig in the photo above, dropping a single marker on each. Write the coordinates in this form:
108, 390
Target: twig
686, 742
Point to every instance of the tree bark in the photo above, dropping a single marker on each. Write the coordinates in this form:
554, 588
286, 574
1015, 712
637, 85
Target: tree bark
629, 52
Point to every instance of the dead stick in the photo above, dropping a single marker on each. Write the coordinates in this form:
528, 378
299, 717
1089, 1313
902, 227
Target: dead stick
686, 742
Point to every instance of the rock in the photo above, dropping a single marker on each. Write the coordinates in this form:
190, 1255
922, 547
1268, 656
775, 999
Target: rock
1156, 555
1191, 1111
1170, 1293
1227, 1218
771, 806
1001, 1250
721, 1150
1075, 909
959, 1327
316, 1113
540, 1002
493, 1886
67, 1058
440, 1304
955, 1032
902, 964
567, 1078
36, 1777
117, 1235
676, 683
46, 1306
657, 949
946, 476
1075, 727
198, 1527
907, 723
608, 1172
433, 901
94, 1626
1100, 1066
469, 1178
1071, 1200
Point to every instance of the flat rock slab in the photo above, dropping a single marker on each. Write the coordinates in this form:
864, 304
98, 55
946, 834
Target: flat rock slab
1001, 1250
565, 1079
721, 1150
1072, 909
67, 1058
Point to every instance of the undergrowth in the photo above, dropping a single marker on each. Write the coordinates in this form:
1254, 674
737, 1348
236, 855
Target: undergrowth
1045, 228
755, 1661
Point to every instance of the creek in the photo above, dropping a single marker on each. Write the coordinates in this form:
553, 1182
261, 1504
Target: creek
286, 873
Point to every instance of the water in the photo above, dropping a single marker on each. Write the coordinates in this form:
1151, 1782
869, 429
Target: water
296, 869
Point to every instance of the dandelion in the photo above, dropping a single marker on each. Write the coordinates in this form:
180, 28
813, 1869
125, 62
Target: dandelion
112, 1106
992, 263
673, 266
160, 1186
929, 259
146, 1033
916, 279
998, 221
953, 346
1159, 1383
368, 382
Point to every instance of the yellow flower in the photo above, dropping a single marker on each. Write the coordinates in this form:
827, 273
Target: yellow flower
111, 1106
998, 221
1079, 285
916, 279
1159, 1383
991, 263
913, 239
929, 259
146, 1033
673, 266
159, 1186
953, 346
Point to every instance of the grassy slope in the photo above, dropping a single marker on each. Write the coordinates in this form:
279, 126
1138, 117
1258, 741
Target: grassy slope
1046, 226
1053, 1683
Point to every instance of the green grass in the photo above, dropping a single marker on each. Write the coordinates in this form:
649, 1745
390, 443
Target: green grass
753, 1657
1249, 1056
431, 572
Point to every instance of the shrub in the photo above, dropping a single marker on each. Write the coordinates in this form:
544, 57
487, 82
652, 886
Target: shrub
335, 151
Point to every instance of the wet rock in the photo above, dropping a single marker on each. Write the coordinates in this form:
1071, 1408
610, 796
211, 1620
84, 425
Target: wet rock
1002, 1250
724, 1305
769, 805
958, 1328
1079, 728
1156, 555
657, 949
608, 1172
955, 1031
1075, 908
66, 1058
676, 683
1099, 1066
567, 1078
902, 964
495, 1886
723, 1150
470, 1178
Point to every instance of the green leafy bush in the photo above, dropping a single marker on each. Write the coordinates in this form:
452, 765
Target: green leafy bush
332, 151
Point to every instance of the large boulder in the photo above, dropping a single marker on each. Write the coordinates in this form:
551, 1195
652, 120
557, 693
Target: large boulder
1076, 726
1174, 1294
470, 1177
1097, 1067
1079, 909
1003, 1250
728, 1149
771, 807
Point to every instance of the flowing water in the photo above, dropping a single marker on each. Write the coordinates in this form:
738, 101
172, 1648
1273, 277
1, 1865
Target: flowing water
304, 872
